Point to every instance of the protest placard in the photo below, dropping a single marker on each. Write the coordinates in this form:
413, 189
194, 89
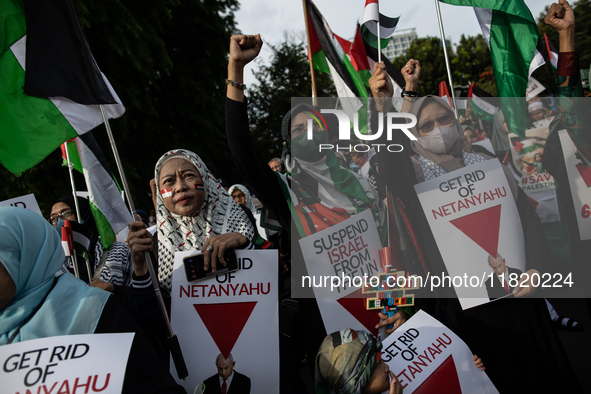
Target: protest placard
579, 178
66, 364
339, 261
427, 357
527, 154
27, 201
472, 214
234, 313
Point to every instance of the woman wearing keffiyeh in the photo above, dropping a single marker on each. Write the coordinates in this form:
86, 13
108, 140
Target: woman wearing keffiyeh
193, 212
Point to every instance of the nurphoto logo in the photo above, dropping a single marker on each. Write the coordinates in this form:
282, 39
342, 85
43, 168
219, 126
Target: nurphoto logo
345, 133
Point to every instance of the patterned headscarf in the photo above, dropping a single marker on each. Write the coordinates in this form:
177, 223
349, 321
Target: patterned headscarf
219, 214
249, 203
345, 362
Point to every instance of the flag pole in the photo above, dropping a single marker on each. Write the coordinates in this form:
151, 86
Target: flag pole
175, 348
314, 93
70, 165
451, 84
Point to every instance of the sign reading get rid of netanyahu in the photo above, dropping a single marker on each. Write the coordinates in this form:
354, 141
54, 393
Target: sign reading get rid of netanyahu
474, 219
427, 357
229, 323
65, 364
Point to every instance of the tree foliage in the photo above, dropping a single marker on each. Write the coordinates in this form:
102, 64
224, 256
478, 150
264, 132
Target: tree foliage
167, 61
286, 76
468, 62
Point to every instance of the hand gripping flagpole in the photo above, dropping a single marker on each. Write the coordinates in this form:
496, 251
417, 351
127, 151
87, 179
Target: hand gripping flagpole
70, 165
451, 84
175, 348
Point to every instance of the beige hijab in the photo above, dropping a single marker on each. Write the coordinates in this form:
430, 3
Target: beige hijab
450, 161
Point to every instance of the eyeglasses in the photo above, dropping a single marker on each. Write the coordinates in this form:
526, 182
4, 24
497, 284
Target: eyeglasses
443, 120
64, 215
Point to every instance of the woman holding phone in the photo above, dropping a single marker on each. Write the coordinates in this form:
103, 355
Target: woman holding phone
193, 212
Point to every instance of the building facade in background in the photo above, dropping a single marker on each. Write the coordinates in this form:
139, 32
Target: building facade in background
399, 43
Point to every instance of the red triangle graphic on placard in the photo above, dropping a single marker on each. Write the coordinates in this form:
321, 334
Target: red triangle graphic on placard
482, 227
443, 380
223, 333
585, 173
354, 303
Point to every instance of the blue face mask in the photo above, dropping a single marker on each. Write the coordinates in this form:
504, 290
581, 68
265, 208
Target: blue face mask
60, 223
353, 167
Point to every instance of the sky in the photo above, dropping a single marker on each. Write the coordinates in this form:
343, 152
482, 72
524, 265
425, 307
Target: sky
272, 18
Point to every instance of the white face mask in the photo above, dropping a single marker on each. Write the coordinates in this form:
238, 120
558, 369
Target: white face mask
440, 140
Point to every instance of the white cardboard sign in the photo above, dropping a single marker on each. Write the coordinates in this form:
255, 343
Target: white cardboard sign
427, 357
70, 363
350, 249
472, 214
233, 313
579, 178
27, 201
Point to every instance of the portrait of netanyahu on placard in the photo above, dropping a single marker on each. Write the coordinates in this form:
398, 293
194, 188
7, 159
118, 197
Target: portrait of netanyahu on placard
498, 285
227, 380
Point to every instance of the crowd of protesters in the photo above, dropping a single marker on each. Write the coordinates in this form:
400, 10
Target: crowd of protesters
305, 191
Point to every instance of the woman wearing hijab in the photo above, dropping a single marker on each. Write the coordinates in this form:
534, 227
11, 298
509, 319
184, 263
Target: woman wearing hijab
193, 212
502, 331
242, 196
113, 263
35, 303
349, 362
314, 194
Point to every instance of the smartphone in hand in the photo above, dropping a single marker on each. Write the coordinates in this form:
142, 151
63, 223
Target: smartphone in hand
194, 266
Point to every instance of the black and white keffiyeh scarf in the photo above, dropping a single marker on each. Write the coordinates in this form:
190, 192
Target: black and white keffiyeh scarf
219, 214
433, 170
249, 202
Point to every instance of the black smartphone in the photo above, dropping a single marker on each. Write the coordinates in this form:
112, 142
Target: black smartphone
194, 266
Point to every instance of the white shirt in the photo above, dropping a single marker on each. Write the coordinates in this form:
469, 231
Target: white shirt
228, 381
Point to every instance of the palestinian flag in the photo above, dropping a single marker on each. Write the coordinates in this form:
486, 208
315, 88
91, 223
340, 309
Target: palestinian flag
47, 104
482, 109
79, 240
512, 36
67, 241
369, 25
107, 206
393, 72
444, 93
395, 75
552, 53
329, 56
